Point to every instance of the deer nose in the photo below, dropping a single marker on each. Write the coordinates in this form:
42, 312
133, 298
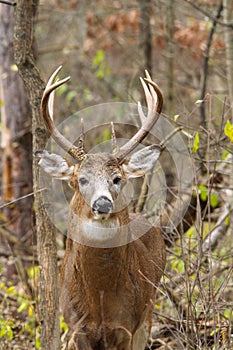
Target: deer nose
102, 205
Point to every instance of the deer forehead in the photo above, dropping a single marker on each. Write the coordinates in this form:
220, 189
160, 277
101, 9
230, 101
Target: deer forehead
99, 165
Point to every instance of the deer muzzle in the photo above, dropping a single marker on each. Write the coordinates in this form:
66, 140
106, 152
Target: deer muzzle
102, 205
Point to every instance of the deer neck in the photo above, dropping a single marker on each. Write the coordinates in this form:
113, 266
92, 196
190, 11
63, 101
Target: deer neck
95, 263
99, 261
104, 233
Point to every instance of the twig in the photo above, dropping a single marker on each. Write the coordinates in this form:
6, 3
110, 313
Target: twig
23, 197
8, 297
144, 190
6, 254
207, 14
21, 270
57, 48
9, 236
167, 346
219, 229
174, 297
13, 243
5, 2
13, 239
169, 136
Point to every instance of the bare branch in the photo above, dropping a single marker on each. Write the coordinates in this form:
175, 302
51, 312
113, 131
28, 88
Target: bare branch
5, 2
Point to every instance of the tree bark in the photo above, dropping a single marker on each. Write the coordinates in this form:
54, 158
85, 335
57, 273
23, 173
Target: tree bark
170, 58
16, 136
228, 17
206, 65
145, 40
48, 291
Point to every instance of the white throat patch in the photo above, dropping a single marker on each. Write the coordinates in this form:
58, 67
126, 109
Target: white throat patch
100, 230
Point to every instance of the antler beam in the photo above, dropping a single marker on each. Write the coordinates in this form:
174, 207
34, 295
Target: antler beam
154, 99
77, 153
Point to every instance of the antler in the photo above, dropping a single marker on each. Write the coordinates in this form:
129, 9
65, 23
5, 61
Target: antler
47, 113
154, 99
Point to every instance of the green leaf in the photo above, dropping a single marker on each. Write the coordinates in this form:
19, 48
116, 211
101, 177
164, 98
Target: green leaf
14, 68
100, 74
33, 271
63, 325
176, 117
38, 344
178, 266
191, 232
228, 313
100, 65
215, 331
228, 130
106, 135
214, 200
87, 94
23, 306
208, 24
203, 192
99, 58
224, 155
227, 221
198, 102
6, 330
196, 143
70, 95
10, 290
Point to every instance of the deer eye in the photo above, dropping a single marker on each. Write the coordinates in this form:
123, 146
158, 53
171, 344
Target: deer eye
82, 181
117, 180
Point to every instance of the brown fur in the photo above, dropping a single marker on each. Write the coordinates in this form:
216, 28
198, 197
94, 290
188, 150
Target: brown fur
108, 294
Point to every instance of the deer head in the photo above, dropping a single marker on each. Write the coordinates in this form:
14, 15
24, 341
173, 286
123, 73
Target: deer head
98, 179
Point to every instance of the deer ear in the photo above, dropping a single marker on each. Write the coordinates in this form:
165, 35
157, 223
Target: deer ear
55, 165
142, 161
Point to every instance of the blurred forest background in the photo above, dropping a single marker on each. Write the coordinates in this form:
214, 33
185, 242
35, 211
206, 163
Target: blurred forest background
187, 46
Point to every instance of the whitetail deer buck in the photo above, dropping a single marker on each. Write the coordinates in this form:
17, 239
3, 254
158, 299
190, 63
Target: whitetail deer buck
107, 294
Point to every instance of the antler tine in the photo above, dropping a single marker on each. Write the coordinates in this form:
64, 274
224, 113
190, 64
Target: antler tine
81, 142
47, 114
154, 100
156, 92
48, 95
115, 147
152, 91
148, 96
140, 112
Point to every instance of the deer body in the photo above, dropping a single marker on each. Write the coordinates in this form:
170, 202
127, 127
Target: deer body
108, 293
113, 260
114, 295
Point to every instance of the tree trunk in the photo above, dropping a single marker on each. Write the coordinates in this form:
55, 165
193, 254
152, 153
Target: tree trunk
206, 65
145, 43
228, 17
16, 135
48, 291
170, 58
